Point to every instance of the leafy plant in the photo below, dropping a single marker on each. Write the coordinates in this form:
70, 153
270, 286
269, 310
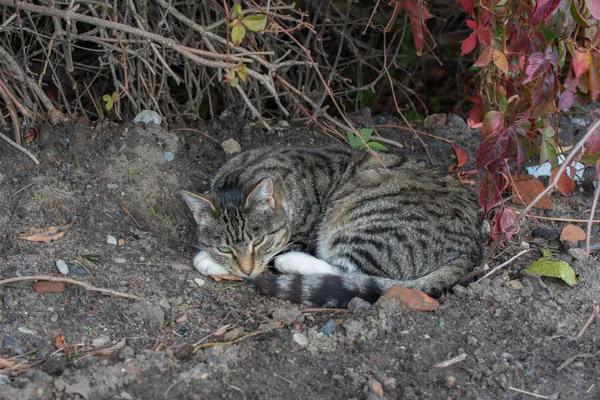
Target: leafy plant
237, 73
238, 26
110, 100
545, 266
522, 48
359, 142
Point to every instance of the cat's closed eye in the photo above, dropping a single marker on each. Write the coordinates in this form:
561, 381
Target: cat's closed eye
224, 250
259, 242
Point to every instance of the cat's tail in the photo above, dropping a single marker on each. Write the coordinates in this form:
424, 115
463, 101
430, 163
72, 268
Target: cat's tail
329, 290
324, 290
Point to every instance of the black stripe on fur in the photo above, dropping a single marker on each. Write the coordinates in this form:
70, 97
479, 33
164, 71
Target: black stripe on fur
320, 290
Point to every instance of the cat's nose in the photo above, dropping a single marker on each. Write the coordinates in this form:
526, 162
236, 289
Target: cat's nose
247, 271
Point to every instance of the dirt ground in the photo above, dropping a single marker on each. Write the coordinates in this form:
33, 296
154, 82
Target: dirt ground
509, 338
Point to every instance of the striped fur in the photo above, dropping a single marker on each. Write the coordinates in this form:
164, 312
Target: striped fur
374, 226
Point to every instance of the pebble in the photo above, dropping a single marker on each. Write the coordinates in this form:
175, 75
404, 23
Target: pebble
169, 156
164, 304
231, 146
4, 379
110, 239
300, 339
9, 301
389, 383
120, 260
13, 345
55, 365
199, 281
100, 341
450, 381
148, 116
329, 328
578, 254
62, 266
287, 315
126, 353
357, 304
112, 186
375, 388
201, 175
353, 328
434, 121
234, 334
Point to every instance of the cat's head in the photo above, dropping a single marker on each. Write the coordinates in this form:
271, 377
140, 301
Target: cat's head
241, 230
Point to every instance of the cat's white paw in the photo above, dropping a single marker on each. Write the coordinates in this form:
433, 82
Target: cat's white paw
204, 264
303, 264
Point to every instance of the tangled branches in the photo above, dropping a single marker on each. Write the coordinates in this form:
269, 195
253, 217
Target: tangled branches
68, 59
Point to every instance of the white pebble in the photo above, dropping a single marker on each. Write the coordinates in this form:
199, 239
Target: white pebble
300, 339
62, 266
120, 260
199, 281
110, 239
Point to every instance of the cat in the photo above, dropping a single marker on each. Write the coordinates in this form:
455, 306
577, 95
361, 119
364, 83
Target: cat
339, 223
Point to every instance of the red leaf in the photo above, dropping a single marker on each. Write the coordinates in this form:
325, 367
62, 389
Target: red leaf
593, 6
485, 58
492, 123
536, 65
594, 142
468, 44
476, 113
417, 15
525, 188
594, 79
461, 155
492, 149
581, 63
490, 190
502, 221
60, 342
565, 183
467, 5
566, 101
543, 9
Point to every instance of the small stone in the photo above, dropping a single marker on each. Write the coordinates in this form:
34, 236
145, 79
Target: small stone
164, 304
12, 344
300, 339
126, 353
110, 239
231, 146
338, 379
64, 142
4, 379
146, 117
112, 186
121, 242
578, 254
450, 381
9, 301
357, 304
120, 260
375, 387
389, 383
460, 291
201, 175
329, 328
472, 340
55, 365
181, 267
54, 318
168, 156
62, 266
434, 121
234, 334
353, 328
283, 124
287, 315
100, 341
184, 351
199, 281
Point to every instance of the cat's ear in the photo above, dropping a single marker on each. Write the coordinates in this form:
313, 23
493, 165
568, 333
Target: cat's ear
202, 206
261, 197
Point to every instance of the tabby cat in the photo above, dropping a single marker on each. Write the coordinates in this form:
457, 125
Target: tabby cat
364, 222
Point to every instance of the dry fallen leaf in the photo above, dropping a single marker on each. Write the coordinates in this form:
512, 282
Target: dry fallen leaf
572, 234
181, 319
48, 287
4, 363
219, 278
45, 235
411, 299
221, 331
60, 342
525, 188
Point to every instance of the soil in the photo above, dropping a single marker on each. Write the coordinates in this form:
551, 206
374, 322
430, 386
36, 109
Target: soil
512, 332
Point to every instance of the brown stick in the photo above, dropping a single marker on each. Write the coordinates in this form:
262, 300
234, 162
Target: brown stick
20, 148
86, 285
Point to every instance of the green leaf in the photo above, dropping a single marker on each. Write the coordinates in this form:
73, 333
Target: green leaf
109, 102
242, 72
377, 146
366, 133
355, 141
256, 22
237, 34
553, 269
233, 82
237, 10
115, 96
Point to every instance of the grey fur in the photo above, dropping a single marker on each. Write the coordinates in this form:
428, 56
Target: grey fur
405, 223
